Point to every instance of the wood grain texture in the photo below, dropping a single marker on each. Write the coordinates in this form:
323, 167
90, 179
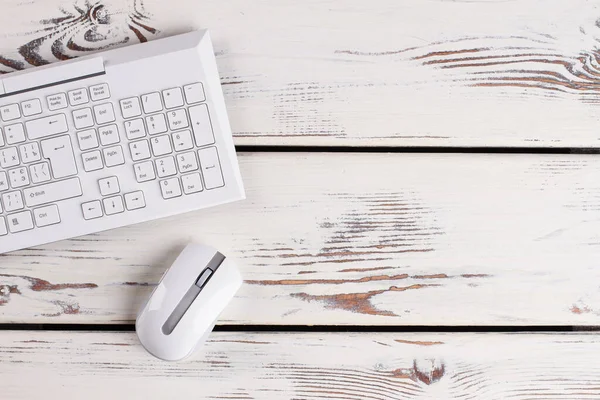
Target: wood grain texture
353, 239
371, 366
389, 72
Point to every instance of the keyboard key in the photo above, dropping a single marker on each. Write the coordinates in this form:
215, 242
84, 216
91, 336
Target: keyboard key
113, 205
104, 113
170, 188
203, 132
173, 97
134, 129
47, 126
211, 168
31, 107
151, 103
83, 118
18, 177
109, 135
40, 172
52, 192
194, 93
78, 97
156, 124
140, 150
3, 229
45, 216
182, 140
99, 92
3, 181
161, 145
30, 152
1, 139
144, 171
60, 152
92, 161
9, 157
165, 167
135, 200
14, 133
109, 186
87, 139
187, 162
12, 201
177, 119
92, 210
10, 112
113, 156
191, 183
20, 222
130, 107
57, 101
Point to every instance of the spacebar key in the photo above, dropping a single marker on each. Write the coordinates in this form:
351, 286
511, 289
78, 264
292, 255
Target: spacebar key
52, 192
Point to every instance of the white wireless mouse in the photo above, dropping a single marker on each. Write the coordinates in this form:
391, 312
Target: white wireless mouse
184, 307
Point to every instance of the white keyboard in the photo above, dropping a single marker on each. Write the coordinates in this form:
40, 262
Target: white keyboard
120, 137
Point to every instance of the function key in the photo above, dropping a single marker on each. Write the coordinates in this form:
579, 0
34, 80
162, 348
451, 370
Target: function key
78, 97
10, 112
57, 101
130, 107
20, 222
31, 107
104, 113
99, 92
87, 139
173, 97
194, 93
151, 102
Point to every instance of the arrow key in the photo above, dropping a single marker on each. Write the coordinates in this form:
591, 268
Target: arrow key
113, 205
135, 200
92, 209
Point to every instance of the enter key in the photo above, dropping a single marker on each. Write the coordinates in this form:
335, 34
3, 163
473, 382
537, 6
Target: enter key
60, 153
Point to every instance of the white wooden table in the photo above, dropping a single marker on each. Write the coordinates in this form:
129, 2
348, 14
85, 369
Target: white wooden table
469, 268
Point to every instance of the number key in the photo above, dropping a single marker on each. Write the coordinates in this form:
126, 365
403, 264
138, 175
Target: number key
140, 150
161, 145
156, 124
187, 162
170, 188
182, 140
177, 119
135, 129
165, 167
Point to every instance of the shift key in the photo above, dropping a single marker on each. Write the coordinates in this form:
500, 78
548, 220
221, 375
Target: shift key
52, 192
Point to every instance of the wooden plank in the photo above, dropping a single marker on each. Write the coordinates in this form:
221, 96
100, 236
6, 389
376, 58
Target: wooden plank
374, 239
378, 366
350, 72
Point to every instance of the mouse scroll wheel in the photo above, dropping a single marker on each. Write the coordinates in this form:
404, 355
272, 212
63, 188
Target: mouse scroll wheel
204, 277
